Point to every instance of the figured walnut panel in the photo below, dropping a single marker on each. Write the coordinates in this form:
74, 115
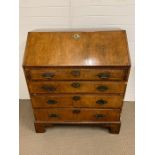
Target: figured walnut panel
107, 48
82, 87
77, 100
75, 115
77, 74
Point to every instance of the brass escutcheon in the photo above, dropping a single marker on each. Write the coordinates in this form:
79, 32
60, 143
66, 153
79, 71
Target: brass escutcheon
76, 36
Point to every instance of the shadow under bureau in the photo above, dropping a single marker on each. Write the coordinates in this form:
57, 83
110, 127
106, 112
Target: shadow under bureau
77, 77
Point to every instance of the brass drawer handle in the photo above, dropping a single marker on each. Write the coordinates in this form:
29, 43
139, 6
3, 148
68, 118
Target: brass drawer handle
75, 73
53, 115
48, 75
52, 102
48, 88
102, 88
98, 116
76, 85
76, 98
76, 111
103, 75
101, 102
76, 36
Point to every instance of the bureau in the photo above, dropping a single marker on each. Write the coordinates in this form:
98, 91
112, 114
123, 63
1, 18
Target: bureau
77, 77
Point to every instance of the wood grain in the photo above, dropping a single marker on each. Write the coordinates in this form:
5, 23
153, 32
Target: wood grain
108, 48
77, 80
84, 87
77, 100
84, 114
77, 74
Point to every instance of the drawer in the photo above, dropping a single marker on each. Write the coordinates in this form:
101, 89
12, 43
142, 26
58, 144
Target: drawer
77, 114
77, 74
77, 100
76, 87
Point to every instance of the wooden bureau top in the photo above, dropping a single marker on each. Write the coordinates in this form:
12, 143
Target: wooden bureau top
106, 48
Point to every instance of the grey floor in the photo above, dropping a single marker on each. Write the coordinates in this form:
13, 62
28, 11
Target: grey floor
75, 140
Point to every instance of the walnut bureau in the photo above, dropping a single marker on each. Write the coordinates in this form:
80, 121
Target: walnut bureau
77, 77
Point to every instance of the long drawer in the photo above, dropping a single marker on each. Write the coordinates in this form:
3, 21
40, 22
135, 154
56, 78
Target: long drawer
77, 74
76, 114
76, 87
77, 100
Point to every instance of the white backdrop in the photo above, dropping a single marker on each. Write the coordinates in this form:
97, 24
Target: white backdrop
76, 14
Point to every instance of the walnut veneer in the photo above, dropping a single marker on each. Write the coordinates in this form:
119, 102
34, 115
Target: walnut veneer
77, 77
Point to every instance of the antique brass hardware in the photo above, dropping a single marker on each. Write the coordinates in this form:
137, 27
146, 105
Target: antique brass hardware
48, 88
102, 88
48, 75
99, 116
52, 102
76, 98
103, 75
76, 85
53, 115
76, 111
76, 36
101, 102
75, 73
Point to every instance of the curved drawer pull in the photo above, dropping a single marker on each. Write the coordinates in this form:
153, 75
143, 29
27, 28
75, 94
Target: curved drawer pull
75, 73
101, 102
98, 116
76, 111
52, 102
76, 85
76, 98
102, 88
103, 75
53, 115
48, 88
48, 75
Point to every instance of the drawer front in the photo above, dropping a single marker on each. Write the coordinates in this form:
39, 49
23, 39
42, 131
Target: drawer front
77, 87
55, 115
77, 114
77, 74
77, 100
